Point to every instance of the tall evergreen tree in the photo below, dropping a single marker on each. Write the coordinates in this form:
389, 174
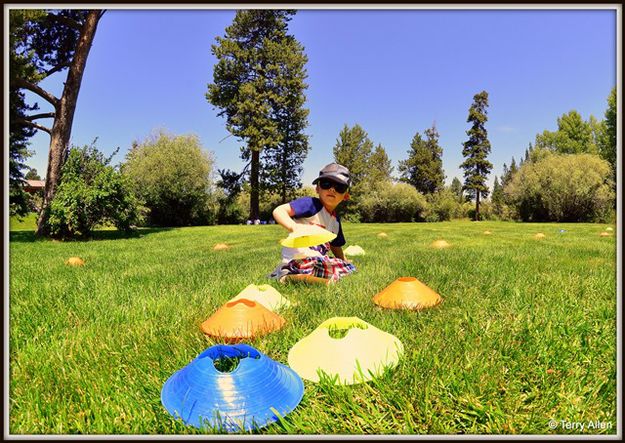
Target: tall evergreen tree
353, 150
281, 165
257, 64
380, 168
42, 44
456, 189
475, 150
497, 197
423, 168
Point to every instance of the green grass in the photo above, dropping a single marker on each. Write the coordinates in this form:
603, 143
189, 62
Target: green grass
526, 332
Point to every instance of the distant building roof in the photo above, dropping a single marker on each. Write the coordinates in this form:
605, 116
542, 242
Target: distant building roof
34, 185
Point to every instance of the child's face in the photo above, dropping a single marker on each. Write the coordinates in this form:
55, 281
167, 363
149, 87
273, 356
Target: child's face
330, 197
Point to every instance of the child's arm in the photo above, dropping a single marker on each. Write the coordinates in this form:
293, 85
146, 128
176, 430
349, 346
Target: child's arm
282, 215
337, 251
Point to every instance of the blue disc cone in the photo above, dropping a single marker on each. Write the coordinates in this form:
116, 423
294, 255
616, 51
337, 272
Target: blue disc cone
244, 399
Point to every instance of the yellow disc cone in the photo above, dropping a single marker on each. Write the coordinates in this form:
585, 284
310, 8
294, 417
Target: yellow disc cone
407, 293
364, 352
308, 235
266, 295
354, 250
440, 244
540, 236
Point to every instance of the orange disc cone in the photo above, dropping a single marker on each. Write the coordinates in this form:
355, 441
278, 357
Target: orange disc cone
220, 247
605, 234
407, 293
75, 261
242, 319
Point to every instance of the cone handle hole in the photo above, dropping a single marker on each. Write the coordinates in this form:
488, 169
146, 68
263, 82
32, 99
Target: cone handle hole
406, 279
340, 332
245, 301
226, 364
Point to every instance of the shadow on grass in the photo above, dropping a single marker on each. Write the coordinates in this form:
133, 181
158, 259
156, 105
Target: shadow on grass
29, 236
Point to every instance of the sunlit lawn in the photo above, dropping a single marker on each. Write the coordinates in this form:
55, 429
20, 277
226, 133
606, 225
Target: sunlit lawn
526, 332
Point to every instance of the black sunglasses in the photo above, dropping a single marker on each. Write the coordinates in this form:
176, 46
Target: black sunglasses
338, 187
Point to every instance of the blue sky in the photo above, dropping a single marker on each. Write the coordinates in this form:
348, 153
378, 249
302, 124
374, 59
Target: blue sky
394, 72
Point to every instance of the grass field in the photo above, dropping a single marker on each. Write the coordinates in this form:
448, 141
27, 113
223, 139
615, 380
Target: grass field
526, 332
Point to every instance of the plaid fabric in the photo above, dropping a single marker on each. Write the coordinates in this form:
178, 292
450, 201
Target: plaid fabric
324, 267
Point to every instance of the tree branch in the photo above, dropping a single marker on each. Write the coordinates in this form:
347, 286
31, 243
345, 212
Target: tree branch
32, 124
44, 115
66, 21
23, 84
57, 68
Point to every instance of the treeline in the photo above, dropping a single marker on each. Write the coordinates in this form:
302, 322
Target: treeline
258, 86
169, 180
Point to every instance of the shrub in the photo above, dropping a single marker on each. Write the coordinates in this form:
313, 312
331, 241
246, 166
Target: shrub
442, 206
173, 176
90, 192
390, 202
562, 187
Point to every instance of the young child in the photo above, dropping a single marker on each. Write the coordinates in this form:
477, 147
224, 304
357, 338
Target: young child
313, 264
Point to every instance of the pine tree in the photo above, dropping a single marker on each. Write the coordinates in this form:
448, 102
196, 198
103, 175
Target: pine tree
497, 197
281, 165
256, 81
380, 169
353, 150
475, 150
456, 189
423, 168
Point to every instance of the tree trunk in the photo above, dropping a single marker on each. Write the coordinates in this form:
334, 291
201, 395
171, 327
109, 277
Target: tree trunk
62, 127
477, 206
254, 184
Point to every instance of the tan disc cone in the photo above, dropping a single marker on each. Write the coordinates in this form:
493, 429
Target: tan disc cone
382, 235
407, 293
75, 261
605, 234
242, 319
440, 244
220, 247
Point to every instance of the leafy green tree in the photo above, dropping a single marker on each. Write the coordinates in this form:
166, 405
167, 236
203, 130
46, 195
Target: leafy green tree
574, 136
456, 189
423, 168
173, 177
42, 44
607, 146
562, 187
257, 81
475, 150
91, 192
380, 168
32, 174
